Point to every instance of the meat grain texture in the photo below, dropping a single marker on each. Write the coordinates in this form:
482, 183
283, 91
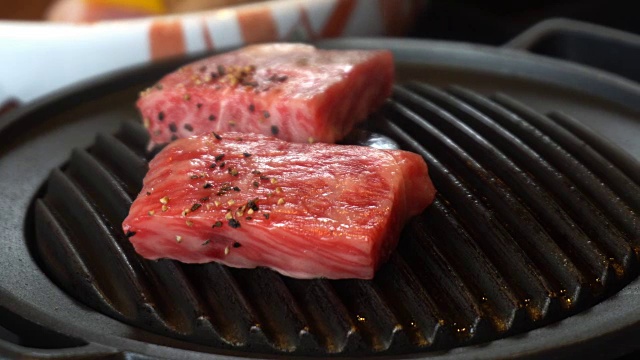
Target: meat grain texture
292, 91
306, 211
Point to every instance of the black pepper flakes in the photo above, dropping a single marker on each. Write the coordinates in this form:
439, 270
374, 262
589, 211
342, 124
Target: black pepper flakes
207, 185
225, 187
256, 172
266, 215
255, 184
274, 130
204, 199
148, 193
161, 116
194, 176
212, 118
218, 137
206, 242
214, 75
219, 157
235, 188
130, 233
188, 127
217, 224
266, 114
173, 127
246, 154
252, 84
234, 223
236, 244
198, 105
262, 177
252, 108
278, 78
248, 218
251, 204
221, 70
213, 165
195, 206
222, 164
174, 137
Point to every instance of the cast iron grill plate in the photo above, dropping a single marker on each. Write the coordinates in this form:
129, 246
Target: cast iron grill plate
536, 219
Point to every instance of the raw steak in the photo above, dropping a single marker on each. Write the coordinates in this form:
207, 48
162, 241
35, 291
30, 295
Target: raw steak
292, 91
249, 200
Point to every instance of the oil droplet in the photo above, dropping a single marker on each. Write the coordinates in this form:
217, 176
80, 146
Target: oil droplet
483, 299
568, 301
361, 318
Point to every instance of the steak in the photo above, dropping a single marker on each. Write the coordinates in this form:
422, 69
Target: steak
304, 210
291, 91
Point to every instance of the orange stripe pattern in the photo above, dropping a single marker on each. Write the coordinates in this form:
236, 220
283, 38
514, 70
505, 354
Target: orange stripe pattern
207, 35
257, 25
166, 39
339, 18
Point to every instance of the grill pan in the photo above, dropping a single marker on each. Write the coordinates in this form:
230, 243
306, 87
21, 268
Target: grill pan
530, 249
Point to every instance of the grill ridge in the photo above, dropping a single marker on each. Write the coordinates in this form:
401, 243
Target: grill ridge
417, 310
532, 289
613, 206
466, 315
327, 314
616, 155
494, 294
520, 222
515, 239
583, 211
597, 163
219, 290
549, 213
364, 302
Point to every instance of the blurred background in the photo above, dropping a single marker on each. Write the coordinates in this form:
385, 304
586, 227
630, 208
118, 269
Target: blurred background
482, 21
46, 45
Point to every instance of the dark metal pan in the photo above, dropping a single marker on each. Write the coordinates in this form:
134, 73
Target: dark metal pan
531, 249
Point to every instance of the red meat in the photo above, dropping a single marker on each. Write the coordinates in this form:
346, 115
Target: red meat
306, 211
292, 91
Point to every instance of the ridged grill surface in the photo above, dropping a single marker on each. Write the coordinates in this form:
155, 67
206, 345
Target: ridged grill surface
536, 218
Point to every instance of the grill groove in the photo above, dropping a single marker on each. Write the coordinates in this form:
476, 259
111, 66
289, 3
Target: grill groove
548, 212
594, 161
546, 167
613, 206
533, 290
503, 307
518, 220
536, 218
